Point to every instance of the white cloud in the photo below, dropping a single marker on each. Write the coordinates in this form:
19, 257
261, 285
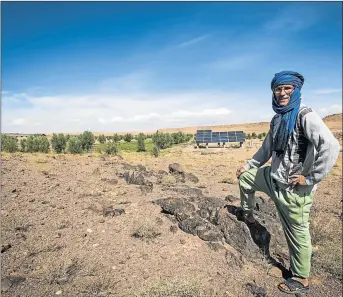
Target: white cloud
125, 111
193, 41
336, 108
327, 91
236, 62
18, 122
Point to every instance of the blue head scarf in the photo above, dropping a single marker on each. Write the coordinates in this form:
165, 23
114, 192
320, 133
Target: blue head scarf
288, 112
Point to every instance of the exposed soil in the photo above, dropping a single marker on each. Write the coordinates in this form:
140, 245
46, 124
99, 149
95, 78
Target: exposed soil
95, 226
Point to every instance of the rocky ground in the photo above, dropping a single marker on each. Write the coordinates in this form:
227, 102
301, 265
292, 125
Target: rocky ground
135, 225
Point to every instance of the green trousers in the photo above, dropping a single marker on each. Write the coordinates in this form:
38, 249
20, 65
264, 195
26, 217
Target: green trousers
293, 209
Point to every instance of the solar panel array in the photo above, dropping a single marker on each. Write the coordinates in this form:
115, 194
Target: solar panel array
207, 136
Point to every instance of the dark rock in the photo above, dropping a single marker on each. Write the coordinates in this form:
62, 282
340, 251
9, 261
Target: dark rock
111, 181
191, 177
22, 228
256, 290
5, 247
231, 198
191, 225
189, 192
175, 168
211, 219
134, 177
145, 189
110, 212
10, 281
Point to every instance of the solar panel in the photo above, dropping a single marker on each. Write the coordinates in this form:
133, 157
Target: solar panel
207, 136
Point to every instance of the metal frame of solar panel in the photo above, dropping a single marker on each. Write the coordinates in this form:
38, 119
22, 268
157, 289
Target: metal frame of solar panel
207, 136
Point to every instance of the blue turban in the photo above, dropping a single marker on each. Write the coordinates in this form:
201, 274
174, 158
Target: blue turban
290, 111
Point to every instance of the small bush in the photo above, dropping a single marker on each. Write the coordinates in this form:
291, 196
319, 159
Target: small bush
9, 144
116, 138
74, 145
36, 144
141, 143
58, 143
168, 180
146, 231
128, 137
23, 147
155, 151
87, 141
102, 138
110, 148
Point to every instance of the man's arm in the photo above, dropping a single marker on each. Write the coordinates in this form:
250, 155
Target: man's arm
325, 143
263, 154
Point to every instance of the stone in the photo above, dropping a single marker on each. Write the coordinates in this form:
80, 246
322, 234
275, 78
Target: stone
5, 247
191, 177
109, 211
175, 168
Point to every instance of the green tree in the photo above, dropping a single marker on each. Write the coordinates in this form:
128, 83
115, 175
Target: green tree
116, 138
141, 143
87, 141
260, 136
128, 137
58, 143
110, 148
23, 146
102, 138
155, 151
253, 135
9, 143
74, 145
37, 143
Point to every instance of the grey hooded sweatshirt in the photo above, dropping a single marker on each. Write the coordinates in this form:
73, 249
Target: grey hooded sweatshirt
312, 151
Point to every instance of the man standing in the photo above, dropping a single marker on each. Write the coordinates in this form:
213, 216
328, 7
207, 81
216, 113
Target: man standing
303, 152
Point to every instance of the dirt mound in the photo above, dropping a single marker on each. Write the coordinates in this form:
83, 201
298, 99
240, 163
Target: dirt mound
333, 118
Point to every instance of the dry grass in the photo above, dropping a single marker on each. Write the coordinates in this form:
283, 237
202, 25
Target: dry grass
328, 258
168, 180
146, 230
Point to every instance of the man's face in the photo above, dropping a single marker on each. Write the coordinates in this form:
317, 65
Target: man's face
283, 94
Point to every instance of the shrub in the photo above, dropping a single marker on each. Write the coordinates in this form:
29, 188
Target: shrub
155, 151
116, 138
87, 141
102, 138
9, 144
37, 144
141, 143
253, 135
128, 137
110, 148
23, 146
58, 143
74, 145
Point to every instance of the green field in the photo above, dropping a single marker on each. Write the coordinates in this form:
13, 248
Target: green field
127, 146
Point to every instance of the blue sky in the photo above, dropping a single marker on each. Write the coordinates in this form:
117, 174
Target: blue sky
133, 66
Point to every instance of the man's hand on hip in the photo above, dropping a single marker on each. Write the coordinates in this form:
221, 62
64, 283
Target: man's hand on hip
298, 180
